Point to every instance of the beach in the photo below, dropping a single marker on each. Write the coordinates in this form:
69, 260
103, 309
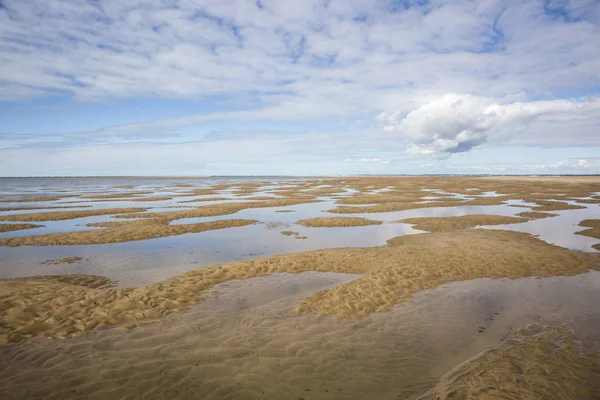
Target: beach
400, 287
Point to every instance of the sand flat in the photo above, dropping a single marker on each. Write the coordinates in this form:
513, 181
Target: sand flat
17, 227
538, 362
63, 215
331, 222
390, 274
437, 224
337, 323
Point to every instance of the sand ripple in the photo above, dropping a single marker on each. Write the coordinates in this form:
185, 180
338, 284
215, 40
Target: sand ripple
39, 307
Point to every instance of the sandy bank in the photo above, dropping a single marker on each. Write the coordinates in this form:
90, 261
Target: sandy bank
536, 363
332, 222
61, 306
17, 227
64, 215
437, 224
593, 231
121, 231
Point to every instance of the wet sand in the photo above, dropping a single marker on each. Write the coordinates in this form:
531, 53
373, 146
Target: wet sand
593, 231
62, 215
520, 368
42, 307
17, 227
438, 224
246, 342
425, 315
330, 222
121, 231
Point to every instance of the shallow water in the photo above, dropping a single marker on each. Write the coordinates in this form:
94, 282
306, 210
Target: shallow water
143, 262
245, 341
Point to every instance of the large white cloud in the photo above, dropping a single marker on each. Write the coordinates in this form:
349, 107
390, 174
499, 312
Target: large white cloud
455, 123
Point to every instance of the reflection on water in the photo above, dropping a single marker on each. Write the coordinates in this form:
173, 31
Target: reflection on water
246, 342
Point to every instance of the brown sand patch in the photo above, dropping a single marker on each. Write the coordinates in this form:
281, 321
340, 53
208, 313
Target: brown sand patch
437, 224
486, 201
36, 199
197, 192
536, 363
114, 195
536, 215
256, 198
64, 215
587, 201
40, 208
535, 189
125, 186
17, 227
390, 207
121, 231
214, 210
284, 211
295, 235
64, 260
41, 307
593, 231
386, 197
328, 191
290, 193
554, 206
158, 198
331, 222
204, 199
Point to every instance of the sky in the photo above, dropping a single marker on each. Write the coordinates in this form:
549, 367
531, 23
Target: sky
299, 87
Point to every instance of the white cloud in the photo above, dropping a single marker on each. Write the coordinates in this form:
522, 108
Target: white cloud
455, 123
301, 55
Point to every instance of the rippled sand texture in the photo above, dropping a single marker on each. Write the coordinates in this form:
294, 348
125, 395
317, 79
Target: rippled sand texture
122, 231
389, 322
43, 307
537, 363
17, 227
246, 342
437, 224
331, 222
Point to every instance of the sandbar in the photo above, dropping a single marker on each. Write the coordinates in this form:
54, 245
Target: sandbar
17, 227
437, 224
64, 215
332, 222
58, 307
538, 362
121, 231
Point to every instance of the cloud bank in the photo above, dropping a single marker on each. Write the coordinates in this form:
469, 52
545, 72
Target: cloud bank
456, 123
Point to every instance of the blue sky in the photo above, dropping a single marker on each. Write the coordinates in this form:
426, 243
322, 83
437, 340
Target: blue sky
311, 87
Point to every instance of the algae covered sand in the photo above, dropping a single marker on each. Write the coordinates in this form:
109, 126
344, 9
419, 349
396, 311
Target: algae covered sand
54, 307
